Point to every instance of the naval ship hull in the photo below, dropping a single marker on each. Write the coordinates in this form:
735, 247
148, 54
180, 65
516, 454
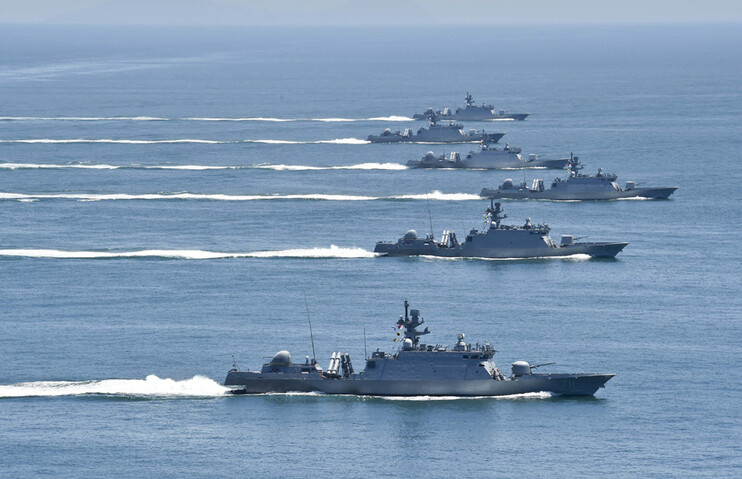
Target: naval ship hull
491, 163
561, 384
476, 138
464, 116
575, 194
595, 250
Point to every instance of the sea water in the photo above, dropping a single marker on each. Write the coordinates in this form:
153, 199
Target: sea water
169, 196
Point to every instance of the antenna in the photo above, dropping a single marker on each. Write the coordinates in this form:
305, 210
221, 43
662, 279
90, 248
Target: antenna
365, 352
430, 218
311, 335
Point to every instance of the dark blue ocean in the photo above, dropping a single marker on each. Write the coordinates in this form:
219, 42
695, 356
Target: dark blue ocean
168, 196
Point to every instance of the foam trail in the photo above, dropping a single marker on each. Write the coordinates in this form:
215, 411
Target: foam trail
435, 195
151, 387
257, 118
391, 118
336, 141
82, 118
361, 166
215, 119
107, 140
331, 252
41, 166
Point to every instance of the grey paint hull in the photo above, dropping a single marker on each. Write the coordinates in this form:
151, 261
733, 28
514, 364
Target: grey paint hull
476, 138
596, 250
464, 116
496, 163
562, 384
576, 194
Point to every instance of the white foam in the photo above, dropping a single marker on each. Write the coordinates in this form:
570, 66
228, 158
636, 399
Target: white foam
438, 196
360, 166
185, 167
107, 140
331, 252
257, 118
155, 118
536, 395
522, 396
391, 118
337, 141
344, 141
25, 166
435, 195
573, 257
82, 118
151, 387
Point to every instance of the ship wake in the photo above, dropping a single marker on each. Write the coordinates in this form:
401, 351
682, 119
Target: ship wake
152, 387
318, 253
260, 166
56, 141
434, 195
394, 118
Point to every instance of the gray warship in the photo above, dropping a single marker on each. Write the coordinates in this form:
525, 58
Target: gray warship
497, 241
415, 369
487, 158
436, 133
470, 112
577, 186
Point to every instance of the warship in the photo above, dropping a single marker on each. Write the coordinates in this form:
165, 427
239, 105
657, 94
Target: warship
577, 186
414, 369
470, 112
497, 241
487, 158
436, 133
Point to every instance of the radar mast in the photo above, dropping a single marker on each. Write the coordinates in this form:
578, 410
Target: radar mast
411, 324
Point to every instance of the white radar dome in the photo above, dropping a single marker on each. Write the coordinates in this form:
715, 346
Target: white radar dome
281, 358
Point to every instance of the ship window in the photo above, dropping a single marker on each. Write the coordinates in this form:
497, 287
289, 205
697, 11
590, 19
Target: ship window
475, 356
466, 356
370, 364
305, 370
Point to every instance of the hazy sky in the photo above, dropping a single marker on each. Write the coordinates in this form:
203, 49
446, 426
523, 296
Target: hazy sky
367, 12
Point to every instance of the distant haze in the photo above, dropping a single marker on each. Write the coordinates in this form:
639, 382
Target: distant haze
365, 12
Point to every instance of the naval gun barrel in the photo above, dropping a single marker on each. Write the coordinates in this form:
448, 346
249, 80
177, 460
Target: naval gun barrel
542, 364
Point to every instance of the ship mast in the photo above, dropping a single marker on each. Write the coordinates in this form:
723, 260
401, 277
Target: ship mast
494, 213
411, 321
